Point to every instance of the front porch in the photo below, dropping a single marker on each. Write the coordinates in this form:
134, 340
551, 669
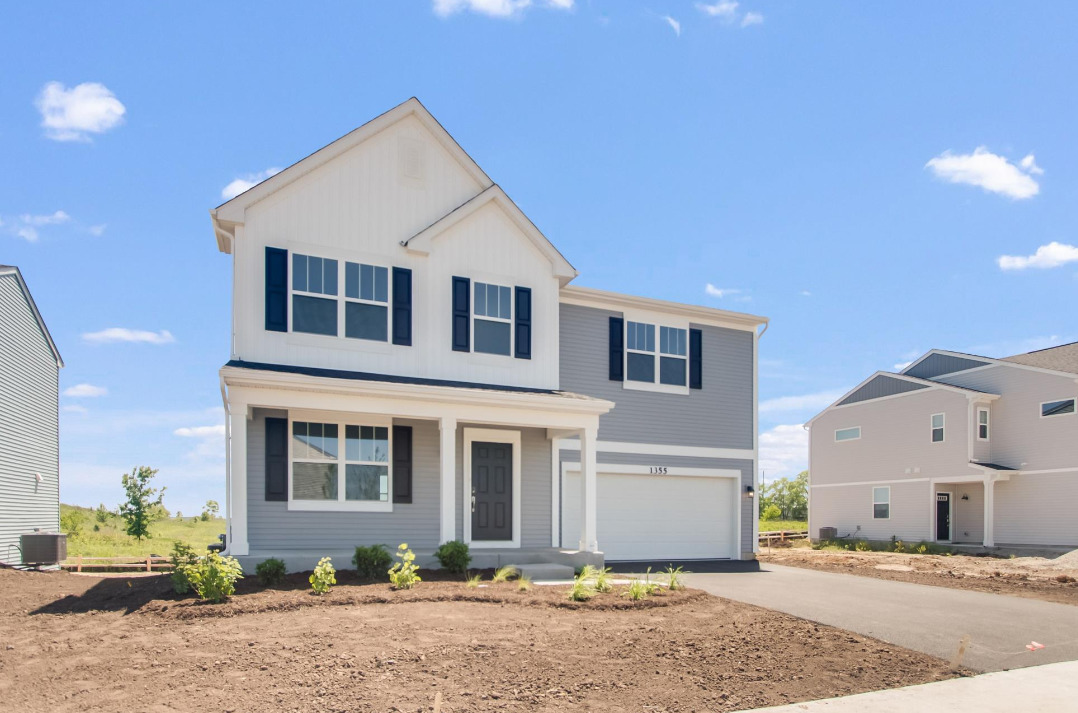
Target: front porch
962, 508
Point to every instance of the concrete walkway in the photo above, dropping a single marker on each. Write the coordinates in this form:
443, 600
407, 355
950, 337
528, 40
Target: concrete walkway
1053, 687
919, 617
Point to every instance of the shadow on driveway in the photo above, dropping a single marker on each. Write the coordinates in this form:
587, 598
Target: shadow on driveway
689, 566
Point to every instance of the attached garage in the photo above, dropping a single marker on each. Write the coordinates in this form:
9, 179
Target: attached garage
672, 514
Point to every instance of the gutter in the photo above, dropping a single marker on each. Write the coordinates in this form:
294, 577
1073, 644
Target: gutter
228, 467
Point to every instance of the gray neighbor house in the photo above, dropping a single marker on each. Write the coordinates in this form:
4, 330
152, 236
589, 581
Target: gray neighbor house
29, 419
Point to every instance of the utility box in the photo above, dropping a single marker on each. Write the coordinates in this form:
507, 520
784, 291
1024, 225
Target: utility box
43, 548
828, 533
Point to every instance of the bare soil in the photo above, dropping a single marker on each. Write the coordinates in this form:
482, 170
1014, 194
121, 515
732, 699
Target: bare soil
1053, 580
78, 643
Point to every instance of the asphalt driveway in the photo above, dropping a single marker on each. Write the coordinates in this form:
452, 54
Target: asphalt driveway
928, 619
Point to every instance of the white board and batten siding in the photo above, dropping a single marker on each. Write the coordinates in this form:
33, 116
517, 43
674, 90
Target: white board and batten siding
359, 207
29, 430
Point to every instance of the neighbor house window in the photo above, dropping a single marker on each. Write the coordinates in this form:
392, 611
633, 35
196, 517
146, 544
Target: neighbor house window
318, 461
493, 319
937, 427
314, 295
366, 303
982, 424
881, 503
641, 354
848, 434
1057, 408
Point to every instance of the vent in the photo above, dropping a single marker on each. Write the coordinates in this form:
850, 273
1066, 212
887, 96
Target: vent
43, 548
410, 158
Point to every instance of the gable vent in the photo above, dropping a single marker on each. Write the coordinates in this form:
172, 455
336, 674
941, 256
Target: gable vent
410, 158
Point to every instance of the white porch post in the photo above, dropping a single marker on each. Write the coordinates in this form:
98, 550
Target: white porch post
588, 542
448, 459
237, 480
989, 511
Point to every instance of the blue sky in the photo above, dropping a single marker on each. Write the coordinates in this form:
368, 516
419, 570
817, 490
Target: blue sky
855, 171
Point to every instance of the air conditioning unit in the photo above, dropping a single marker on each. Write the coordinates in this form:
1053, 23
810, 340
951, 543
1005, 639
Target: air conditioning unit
828, 533
43, 548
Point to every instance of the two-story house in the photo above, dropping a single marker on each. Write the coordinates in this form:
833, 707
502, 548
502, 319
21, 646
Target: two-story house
410, 364
956, 448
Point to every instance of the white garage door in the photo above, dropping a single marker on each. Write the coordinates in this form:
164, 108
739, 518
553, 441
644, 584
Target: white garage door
656, 517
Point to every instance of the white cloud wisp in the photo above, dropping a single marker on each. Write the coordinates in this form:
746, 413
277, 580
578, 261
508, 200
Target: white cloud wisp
74, 114
989, 171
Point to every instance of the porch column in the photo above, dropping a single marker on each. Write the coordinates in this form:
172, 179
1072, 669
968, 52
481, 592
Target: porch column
448, 459
989, 511
237, 480
588, 542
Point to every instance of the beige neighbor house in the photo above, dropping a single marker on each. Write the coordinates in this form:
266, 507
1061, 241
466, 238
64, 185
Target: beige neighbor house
956, 448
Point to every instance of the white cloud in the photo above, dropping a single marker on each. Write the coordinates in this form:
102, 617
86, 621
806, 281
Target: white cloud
85, 391
75, 408
902, 365
217, 431
752, 18
674, 24
246, 182
784, 451
991, 172
807, 402
561, 4
494, 8
720, 292
726, 9
1051, 255
73, 114
97, 230
26, 225
805, 293
122, 334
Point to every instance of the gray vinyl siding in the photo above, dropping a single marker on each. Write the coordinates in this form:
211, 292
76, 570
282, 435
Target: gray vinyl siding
718, 416
879, 387
937, 364
29, 429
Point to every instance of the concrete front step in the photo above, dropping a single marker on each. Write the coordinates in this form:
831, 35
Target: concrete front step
546, 572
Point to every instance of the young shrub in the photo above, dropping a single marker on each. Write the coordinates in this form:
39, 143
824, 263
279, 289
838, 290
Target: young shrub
403, 574
372, 562
524, 583
581, 590
183, 557
673, 577
602, 580
504, 574
474, 580
454, 556
899, 546
862, 546
637, 590
323, 577
270, 572
214, 577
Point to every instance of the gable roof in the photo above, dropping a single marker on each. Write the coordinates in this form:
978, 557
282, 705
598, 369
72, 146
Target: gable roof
12, 270
912, 384
1061, 358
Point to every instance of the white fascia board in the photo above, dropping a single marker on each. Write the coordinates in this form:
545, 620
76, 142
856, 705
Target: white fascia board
13, 270
617, 302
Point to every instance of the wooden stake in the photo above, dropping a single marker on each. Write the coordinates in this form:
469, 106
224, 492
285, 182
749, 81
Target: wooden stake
438, 702
963, 644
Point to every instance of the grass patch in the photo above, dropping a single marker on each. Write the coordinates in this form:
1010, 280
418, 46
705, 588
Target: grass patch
773, 525
105, 537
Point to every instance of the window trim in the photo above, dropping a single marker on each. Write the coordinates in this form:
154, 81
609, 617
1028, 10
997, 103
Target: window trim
658, 321
987, 423
872, 495
1073, 399
511, 320
932, 428
340, 504
847, 428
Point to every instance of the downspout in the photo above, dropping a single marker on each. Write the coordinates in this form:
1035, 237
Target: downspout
228, 467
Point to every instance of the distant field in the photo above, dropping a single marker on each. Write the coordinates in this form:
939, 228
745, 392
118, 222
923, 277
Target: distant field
108, 539
772, 525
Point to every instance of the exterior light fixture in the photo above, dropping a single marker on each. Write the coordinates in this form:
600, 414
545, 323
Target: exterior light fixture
750, 491
965, 497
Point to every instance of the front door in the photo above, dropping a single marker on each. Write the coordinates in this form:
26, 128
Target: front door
492, 491
943, 516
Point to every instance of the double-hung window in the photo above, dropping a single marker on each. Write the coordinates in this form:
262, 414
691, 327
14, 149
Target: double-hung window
318, 461
881, 503
492, 317
366, 301
656, 361
982, 424
1057, 408
640, 352
366, 470
937, 427
673, 355
315, 456
314, 295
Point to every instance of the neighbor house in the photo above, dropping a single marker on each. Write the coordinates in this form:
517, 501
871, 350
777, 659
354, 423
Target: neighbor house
29, 427
956, 448
409, 364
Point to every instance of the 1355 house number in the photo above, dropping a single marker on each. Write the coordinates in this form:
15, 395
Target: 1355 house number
657, 470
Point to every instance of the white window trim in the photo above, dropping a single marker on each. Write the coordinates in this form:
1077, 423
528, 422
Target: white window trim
987, 423
1040, 409
872, 496
511, 321
847, 428
491, 435
342, 320
340, 504
658, 321
932, 427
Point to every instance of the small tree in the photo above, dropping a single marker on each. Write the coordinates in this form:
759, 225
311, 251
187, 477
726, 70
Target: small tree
139, 508
210, 511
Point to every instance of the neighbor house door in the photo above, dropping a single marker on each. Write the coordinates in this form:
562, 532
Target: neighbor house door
492, 491
943, 516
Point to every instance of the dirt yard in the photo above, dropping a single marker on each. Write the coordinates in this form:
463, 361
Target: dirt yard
1054, 580
78, 643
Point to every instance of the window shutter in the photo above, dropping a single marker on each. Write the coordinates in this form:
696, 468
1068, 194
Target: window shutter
402, 464
462, 314
523, 313
696, 359
276, 289
276, 459
402, 306
617, 348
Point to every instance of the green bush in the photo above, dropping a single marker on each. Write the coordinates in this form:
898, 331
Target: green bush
323, 577
454, 556
270, 572
214, 577
771, 512
183, 557
372, 562
403, 574
71, 522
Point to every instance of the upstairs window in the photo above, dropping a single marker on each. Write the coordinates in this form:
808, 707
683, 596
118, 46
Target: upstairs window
366, 301
492, 318
982, 424
848, 434
1057, 408
937, 427
673, 355
641, 354
314, 295
881, 503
